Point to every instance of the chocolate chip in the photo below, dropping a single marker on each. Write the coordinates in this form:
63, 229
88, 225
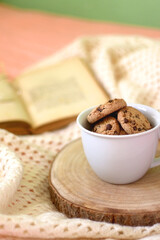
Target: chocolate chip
137, 115
139, 129
125, 120
108, 127
125, 111
110, 101
134, 128
99, 109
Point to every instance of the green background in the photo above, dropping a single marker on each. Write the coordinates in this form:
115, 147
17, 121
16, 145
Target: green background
134, 12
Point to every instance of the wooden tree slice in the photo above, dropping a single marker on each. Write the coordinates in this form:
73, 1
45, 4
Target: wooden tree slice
77, 192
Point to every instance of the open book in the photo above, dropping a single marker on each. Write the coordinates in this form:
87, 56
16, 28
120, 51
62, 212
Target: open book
48, 98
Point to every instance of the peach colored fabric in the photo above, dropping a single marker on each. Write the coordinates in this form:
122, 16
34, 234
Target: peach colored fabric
27, 36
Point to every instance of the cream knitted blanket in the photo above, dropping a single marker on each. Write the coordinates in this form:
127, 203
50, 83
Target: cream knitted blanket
127, 67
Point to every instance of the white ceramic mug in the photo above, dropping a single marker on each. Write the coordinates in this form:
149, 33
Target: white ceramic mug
121, 159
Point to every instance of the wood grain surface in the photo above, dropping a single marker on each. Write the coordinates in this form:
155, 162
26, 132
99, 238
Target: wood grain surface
78, 192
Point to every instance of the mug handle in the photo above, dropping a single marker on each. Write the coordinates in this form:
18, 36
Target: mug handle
156, 161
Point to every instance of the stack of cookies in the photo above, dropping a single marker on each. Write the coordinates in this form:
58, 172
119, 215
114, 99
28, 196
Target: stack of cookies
116, 118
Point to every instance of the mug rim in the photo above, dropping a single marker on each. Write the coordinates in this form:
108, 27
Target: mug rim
118, 136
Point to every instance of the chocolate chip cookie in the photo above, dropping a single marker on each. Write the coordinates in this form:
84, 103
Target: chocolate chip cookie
132, 120
105, 109
108, 125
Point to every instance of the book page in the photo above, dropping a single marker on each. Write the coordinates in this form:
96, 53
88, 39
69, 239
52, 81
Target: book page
59, 91
11, 108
